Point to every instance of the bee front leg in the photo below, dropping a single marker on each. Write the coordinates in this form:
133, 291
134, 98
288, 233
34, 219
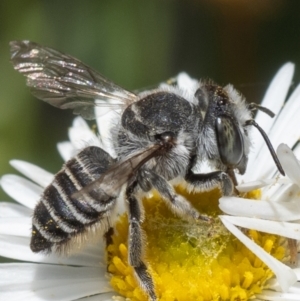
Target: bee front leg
208, 181
135, 243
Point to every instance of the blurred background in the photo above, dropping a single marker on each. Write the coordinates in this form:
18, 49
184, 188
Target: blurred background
138, 44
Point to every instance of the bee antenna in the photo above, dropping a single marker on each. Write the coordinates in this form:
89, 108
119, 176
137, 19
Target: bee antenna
254, 106
268, 142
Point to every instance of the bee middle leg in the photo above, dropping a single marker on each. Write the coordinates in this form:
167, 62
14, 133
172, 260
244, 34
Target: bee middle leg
148, 179
135, 242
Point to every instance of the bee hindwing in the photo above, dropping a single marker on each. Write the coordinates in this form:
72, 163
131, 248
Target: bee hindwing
58, 217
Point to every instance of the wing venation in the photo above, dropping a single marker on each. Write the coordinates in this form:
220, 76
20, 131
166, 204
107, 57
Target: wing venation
65, 82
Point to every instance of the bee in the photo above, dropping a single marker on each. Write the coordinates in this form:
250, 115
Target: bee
160, 136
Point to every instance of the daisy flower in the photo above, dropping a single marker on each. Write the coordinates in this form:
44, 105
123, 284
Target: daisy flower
187, 260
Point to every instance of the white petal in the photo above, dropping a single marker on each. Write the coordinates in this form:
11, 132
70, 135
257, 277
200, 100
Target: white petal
104, 297
284, 229
33, 172
13, 210
289, 162
48, 282
285, 130
297, 272
22, 190
66, 150
274, 99
285, 275
80, 124
276, 95
287, 211
80, 134
185, 82
18, 248
296, 151
276, 296
107, 119
295, 289
284, 193
19, 226
249, 186
276, 191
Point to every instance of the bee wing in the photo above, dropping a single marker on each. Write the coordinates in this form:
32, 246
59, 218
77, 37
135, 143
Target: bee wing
111, 182
64, 81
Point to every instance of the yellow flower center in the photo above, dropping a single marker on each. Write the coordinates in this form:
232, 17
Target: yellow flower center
191, 260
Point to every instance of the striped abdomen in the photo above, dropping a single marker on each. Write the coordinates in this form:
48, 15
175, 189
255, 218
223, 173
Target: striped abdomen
57, 217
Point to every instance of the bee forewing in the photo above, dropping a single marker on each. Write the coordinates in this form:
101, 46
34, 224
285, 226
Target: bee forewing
65, 82
120, 173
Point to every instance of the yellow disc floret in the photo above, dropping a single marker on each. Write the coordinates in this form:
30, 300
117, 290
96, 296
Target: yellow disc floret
191, 260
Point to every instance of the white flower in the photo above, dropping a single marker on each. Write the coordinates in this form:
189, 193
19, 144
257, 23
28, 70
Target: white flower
82, 276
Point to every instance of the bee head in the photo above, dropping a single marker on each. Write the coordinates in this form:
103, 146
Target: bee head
225, 113
227, 118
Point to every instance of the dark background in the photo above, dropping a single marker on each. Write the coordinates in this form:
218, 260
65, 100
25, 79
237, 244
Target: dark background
138, 44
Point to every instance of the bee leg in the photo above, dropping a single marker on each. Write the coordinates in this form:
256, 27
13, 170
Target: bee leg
293, 248
148, 179
135, 243
108, 241
208, 181
232, 176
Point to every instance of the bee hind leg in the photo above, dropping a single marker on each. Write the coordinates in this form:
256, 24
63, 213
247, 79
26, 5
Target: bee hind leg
135, 243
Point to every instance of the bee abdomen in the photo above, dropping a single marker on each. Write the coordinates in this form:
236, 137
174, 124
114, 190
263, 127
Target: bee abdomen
58, 217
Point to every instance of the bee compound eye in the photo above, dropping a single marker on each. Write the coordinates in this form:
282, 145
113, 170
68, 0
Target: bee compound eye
230, 141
